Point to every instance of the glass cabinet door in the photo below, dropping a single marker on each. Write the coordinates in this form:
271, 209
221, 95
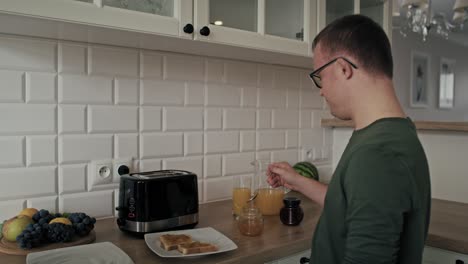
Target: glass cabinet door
240, 14
338, 8
157, 7
285, 18
373, 9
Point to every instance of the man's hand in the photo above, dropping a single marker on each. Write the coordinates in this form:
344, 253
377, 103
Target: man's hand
282, 174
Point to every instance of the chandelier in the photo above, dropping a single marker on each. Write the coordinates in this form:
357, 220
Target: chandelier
417, 16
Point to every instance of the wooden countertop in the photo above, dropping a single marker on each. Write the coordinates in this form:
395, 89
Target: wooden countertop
420, 125
448, 230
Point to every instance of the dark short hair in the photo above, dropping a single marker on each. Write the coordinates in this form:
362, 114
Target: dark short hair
360, 37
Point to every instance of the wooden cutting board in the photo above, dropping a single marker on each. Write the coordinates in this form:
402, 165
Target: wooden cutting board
12, 248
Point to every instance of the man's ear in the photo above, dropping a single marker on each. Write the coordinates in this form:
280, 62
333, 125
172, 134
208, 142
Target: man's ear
345, 68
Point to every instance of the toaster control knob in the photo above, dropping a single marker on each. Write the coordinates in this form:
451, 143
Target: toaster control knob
131, 201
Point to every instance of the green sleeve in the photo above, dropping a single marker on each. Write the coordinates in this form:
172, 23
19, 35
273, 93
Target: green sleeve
377, 190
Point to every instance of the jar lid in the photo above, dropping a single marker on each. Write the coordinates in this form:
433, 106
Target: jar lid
291, 201
251, 211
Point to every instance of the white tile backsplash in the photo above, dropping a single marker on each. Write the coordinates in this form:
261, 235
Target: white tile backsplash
102, 119
28, 182
239, 119
65, 104
241, 73
12, 86
27, 119
113, 61
183, 67
161, 145
193, 143
151, 65
72, 119
223, 95
41, 150
41, 87
84, 148
72, 178
175, 118
13, 151
162, 92
72, 58
85, 89
28, 54
150, 118
126, 91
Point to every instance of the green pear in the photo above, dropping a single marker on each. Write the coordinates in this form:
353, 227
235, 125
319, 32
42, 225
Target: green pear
14, 226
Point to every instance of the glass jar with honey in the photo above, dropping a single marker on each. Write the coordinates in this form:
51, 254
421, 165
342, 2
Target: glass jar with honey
250, 221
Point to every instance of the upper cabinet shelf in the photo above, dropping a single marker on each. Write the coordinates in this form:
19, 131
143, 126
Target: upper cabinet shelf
270, 31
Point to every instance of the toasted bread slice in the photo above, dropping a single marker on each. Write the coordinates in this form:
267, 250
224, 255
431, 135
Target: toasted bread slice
171, 241
196, 247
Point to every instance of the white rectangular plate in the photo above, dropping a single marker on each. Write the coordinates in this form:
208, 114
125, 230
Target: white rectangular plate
206, 235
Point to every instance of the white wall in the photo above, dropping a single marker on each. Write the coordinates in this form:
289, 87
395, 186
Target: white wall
65, 104
436, 48
446, 153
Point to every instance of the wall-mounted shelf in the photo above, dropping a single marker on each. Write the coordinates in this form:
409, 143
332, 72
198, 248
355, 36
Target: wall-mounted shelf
420, 125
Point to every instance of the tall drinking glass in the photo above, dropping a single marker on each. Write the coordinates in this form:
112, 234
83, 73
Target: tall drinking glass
241, 192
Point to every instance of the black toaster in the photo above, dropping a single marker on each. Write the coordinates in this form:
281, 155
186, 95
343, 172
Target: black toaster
157, 200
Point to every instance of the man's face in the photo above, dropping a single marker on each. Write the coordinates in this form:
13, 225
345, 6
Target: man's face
333, 83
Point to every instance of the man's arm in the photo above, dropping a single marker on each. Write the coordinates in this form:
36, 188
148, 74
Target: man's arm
376, 186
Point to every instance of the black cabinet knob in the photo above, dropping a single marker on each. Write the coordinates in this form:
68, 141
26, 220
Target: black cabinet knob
205, 31
188, 29
304, 260
459, 261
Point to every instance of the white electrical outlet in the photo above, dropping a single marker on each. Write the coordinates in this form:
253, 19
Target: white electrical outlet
99, 172
121, 164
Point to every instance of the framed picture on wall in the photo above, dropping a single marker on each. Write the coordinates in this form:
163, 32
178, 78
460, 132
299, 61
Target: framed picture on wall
419, 76
446, 83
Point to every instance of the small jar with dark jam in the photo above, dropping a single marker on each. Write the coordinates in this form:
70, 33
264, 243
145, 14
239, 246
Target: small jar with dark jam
291, 214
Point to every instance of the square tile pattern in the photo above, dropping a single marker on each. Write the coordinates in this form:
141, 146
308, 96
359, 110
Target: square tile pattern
65, 104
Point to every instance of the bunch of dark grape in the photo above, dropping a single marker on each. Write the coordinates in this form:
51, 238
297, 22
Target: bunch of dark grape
58, 232
34, 235
82, 223
43, 217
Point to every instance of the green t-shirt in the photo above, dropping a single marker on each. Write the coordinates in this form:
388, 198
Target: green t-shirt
377, 206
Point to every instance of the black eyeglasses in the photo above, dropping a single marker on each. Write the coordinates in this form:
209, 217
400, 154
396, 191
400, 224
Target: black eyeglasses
314, 75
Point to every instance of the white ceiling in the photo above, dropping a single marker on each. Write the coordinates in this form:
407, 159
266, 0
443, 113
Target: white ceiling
445, 7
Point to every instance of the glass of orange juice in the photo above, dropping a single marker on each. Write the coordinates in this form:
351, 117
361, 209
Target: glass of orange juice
241, 192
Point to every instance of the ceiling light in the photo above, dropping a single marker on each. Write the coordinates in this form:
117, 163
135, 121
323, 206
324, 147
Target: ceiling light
417, 16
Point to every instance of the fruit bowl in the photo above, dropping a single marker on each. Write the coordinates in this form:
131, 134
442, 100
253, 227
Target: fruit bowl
12, 248
35, 230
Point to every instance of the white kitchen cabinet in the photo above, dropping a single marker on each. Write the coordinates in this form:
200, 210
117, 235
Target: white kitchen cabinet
268, 31
378, 10
275, 25
164, 17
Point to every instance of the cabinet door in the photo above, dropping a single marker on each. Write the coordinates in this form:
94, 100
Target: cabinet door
166, 17
275, 25
378, 10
